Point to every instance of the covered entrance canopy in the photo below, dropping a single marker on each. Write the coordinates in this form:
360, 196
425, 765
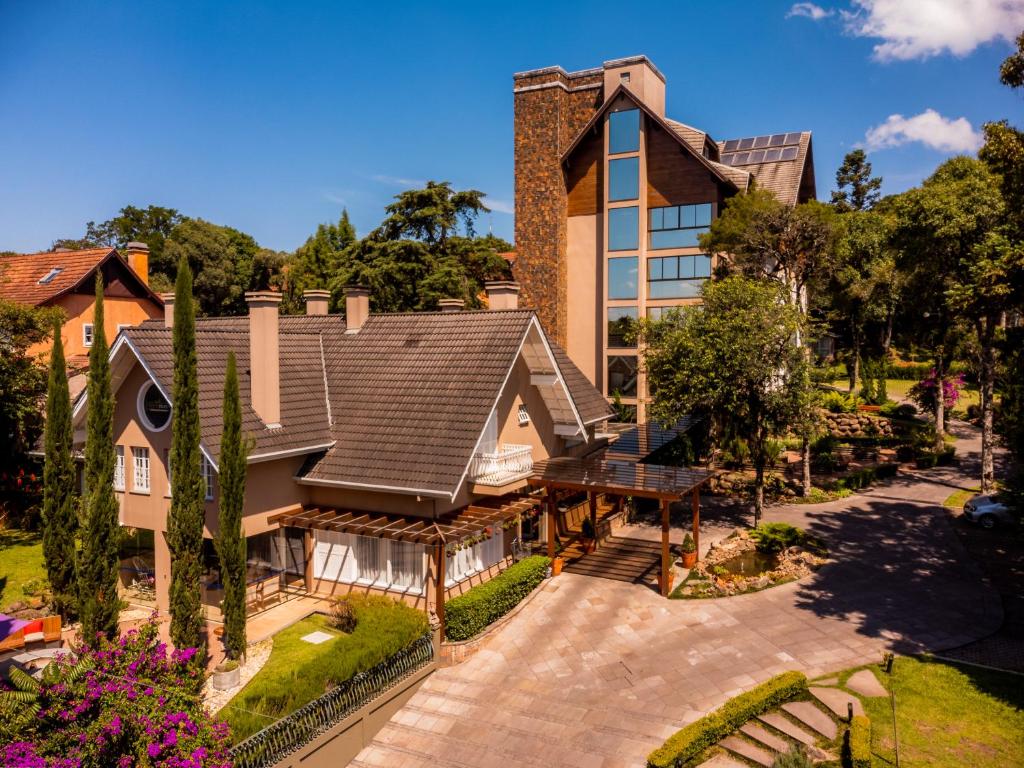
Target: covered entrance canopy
622, 478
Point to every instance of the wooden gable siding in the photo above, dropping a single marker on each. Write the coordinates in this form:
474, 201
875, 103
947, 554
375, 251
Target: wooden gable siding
584, 176
673, 176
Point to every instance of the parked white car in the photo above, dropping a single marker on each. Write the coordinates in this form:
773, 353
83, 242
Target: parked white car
988, 511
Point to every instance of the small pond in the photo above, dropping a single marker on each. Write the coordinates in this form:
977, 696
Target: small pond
751, 563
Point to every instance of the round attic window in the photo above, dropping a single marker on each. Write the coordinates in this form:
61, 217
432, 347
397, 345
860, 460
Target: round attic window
154, 410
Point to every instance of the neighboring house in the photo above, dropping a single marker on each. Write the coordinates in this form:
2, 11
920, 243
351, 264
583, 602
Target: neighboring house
390, 452
611, 196
66, 279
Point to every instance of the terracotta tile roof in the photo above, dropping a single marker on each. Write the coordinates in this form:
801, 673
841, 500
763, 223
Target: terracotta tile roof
20, 274
783, 177
409, 394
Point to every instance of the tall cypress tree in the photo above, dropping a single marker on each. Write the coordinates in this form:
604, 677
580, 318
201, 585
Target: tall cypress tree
185, 521
60, 523
98, 601
230, 540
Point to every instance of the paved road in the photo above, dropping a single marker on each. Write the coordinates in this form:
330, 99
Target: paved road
598, 673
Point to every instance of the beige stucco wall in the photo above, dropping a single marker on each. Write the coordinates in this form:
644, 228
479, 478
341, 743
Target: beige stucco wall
539, 432
584, 252
79, 309
643, 81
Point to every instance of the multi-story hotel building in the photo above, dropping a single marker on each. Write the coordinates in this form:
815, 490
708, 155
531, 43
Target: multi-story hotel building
611, 196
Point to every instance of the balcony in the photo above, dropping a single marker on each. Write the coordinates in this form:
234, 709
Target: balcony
501, 467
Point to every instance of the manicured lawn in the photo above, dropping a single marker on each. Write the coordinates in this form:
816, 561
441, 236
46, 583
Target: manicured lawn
949, 716
898, 389
957, 499
298, 672
21, 565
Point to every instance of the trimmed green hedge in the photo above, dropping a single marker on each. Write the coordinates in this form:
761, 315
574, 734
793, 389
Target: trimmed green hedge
468, 614
857, 744
862, 478
709, 730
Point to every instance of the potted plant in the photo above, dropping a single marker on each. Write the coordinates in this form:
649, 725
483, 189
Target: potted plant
587, 535
689, 552
226, 675
556, 564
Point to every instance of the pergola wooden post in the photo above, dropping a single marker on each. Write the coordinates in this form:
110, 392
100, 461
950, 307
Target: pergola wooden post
440, 560
592, 499
666, 559
695, 504
550, 511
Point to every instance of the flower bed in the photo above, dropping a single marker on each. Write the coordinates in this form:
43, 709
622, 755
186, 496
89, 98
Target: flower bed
795, 555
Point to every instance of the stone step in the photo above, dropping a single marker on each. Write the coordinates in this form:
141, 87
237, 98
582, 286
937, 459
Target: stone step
763, 736
865, 683
837, 701
808, 714
722, 760
748, 751
780, 722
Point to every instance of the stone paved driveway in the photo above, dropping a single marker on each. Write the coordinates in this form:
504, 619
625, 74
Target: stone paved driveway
598, 673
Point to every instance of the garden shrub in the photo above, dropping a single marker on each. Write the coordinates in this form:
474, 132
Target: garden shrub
893, 410
836, 402
857, 744
343, 616
689, 742
797, 757
468, 614
862, 478
772, 538
383, 627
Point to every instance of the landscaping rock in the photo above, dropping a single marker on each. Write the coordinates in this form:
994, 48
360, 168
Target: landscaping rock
866, 684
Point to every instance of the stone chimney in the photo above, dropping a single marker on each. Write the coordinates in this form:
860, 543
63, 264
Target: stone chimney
357, 307
138, 259
168, 299
265, 356
316, 301
451, 305
502, 294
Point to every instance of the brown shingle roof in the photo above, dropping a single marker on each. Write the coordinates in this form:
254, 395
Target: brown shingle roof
409, 394
783, 178
20, 274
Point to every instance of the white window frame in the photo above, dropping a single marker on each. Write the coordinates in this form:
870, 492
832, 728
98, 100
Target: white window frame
87, 334
167, 468
475, 559
207, 469
118, 467
336, 558
141, 408
523, 415
141, 478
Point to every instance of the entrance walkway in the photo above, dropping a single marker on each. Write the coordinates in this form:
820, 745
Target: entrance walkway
597, 672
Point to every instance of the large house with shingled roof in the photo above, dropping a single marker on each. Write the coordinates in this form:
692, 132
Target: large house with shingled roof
391, 452
610, 197
67, 279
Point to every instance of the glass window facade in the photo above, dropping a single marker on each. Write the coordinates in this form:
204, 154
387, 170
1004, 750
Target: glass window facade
677, 277
621, 323
678, 226
622, 277
622, 373
624, 131
659, 313
624, 178
624, 228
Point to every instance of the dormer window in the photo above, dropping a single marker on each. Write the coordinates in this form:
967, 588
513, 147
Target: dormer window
154, 410
48, 277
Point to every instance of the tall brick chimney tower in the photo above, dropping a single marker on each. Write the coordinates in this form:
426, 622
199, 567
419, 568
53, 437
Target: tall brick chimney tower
551, 108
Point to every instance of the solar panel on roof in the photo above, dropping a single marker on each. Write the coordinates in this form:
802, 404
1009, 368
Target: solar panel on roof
746, 143
777, 140
789, 153
792, 138
731, 145
761, 142
772, 155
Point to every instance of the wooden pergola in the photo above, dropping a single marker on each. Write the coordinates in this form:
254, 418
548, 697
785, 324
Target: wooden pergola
596, 476
449, 530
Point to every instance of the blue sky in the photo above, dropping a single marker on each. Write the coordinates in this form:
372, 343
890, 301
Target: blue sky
272, 116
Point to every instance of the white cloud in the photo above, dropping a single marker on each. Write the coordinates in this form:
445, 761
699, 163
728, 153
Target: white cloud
918, 29
499, 206
398, 181
930, 128
809, 11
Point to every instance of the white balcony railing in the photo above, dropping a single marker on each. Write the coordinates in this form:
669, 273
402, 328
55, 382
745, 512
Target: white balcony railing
507, 464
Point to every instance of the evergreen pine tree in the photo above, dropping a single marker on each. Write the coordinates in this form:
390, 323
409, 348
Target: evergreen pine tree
98, 601
856, 188
60, 522
230, 541
187, 514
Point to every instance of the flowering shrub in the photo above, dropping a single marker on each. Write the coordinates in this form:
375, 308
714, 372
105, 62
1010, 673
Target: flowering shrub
924, 393
132, 706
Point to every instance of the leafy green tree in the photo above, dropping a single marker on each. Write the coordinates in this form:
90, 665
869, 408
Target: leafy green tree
856, 188
735, 362
188, 510
60, 520
317, 261
22, 389
1011, 72
417, 256
230, 539
942, 229
1011, 415
98, 602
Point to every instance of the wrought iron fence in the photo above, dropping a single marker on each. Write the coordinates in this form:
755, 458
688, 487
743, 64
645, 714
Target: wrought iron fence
266, 747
